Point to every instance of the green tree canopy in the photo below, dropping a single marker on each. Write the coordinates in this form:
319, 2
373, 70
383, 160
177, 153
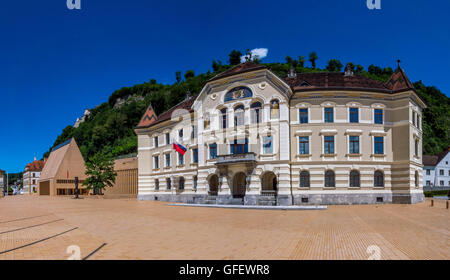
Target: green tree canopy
100, 173
334, 65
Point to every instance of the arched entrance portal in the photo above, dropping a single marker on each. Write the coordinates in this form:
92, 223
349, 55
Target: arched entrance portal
269, 183
213, 183
239, 182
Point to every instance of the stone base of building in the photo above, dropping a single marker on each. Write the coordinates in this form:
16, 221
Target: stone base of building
286, 200
410, 198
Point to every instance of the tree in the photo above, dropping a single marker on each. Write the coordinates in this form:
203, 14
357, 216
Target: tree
375, 70
288, 59
301, 61
178, 76
189, 74
312, 58
334, 65
235, 57
359, 69
216, 65
100, 173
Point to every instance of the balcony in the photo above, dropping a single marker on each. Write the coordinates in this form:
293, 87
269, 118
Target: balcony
236, 158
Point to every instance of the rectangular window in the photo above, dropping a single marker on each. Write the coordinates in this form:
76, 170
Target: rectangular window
239, 146
156, 162
354, 115
449, 173
167, 160
304, 145
167, 138
156, 184
180, 159
441, 172
195, 155
180, 134
303, 115
378, 116
441, 183
213, 151
428, 183
416, 148
194, 132
328, 115
428, 171
169, 183
378, 148
267, 145
195, 182
155, 141
354, 145
329, 144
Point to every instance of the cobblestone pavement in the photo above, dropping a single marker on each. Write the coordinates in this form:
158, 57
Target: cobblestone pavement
33, 227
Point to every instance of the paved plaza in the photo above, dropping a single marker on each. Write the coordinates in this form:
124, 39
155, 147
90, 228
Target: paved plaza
33, 227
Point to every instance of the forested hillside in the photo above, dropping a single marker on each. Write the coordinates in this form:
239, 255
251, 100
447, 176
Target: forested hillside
109, 127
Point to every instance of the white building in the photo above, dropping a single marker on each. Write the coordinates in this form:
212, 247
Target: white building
436, 170
31, 175
252, 137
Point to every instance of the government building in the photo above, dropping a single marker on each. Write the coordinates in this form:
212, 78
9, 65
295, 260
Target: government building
254, 138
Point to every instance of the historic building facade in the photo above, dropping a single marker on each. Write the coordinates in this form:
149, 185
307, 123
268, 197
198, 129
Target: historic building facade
31, 176
436, 171
252, 137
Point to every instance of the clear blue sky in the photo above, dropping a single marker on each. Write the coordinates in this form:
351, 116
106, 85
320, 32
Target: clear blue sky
55, 62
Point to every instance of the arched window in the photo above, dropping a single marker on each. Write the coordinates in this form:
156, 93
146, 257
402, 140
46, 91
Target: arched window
354, 179
378, 179
239, 115
274, 109
416, 179
256, 110
330, 181
304, 179
223, 118
181, 183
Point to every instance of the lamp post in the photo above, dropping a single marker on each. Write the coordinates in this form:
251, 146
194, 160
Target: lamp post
7, 183
76, 188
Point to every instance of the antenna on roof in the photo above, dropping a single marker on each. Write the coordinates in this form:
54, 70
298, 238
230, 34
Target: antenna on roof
398, 61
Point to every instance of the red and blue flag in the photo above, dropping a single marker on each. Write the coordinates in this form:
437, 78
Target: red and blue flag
179, 148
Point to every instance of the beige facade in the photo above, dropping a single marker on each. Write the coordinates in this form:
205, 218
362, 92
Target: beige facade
126, 184
63, 165
300, 139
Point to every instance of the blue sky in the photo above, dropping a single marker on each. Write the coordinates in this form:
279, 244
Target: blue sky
55, 62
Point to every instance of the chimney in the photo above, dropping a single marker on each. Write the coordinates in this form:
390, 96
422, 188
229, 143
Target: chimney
292, 73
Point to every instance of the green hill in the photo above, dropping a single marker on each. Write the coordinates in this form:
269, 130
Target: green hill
109, 127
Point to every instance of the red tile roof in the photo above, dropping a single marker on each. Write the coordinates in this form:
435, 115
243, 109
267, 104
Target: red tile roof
399, 81
238, 69
434, 160
333, 80
302, 82
184, 105
36, 165
430, 160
